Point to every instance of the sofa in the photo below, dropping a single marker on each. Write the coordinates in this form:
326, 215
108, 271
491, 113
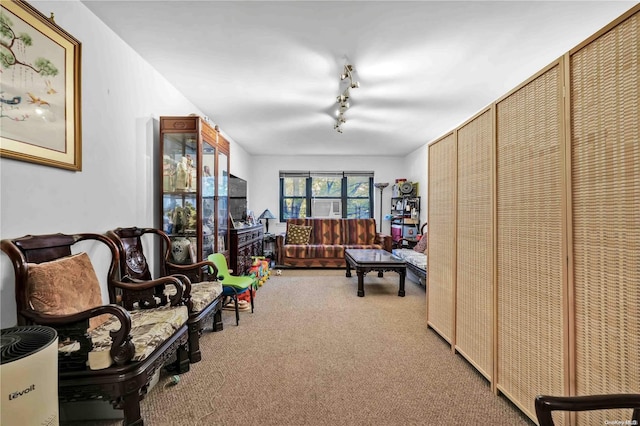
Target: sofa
415, 257
315, 242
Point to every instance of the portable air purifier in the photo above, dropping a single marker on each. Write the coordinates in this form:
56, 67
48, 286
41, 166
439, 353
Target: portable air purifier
29, 376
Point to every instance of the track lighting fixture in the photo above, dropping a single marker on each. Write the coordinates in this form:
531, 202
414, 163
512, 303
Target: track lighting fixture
353, 82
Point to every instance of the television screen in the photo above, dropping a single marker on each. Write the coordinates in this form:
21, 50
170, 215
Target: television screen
237, 198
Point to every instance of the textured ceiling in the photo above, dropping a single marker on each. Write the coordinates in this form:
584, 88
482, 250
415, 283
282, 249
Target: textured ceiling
268, 72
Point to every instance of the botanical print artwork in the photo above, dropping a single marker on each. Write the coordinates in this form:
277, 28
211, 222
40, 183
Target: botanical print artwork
32, 85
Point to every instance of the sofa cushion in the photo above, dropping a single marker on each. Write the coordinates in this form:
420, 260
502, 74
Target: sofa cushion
360, 231
298, 234
324, 231
65, 286
310, 251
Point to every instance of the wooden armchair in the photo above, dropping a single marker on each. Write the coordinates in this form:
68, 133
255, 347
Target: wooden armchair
105, 351
206, 293
545, 405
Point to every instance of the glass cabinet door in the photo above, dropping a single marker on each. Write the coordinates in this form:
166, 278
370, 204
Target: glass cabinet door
223, 202
179, 194
208, 199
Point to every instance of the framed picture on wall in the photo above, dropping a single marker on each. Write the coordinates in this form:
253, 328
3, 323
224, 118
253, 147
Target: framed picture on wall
39, 89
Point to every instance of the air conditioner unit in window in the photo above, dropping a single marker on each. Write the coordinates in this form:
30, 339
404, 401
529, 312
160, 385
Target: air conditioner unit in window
322, 208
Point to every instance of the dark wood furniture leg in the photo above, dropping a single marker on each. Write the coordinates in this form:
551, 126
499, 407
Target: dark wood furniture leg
131, 409
217, 321
361, 273
402, 273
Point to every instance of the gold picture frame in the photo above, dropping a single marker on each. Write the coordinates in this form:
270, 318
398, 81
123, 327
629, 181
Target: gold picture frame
39, 90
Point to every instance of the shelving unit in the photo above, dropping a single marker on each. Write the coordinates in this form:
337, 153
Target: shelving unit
405, 218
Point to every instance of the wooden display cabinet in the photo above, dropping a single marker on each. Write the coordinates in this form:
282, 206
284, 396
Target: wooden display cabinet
245, 243
194, 176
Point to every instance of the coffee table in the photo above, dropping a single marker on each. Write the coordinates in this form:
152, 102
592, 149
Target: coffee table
367, 260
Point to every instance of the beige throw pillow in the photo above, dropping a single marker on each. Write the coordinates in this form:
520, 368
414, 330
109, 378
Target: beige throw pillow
65, 286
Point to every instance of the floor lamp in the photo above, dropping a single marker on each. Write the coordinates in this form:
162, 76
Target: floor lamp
381, 186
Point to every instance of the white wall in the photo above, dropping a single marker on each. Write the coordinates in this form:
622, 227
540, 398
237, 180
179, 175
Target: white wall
122, 99
416, 166
264, 189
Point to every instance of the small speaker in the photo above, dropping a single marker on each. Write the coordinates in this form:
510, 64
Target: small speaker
406, 188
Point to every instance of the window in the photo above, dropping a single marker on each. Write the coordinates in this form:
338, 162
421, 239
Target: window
326, 194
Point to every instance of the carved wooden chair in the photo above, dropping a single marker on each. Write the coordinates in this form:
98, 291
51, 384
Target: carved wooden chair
206, 292
545, 405
105, 351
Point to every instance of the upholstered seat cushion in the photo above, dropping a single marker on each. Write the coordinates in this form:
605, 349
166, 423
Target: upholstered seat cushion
419, 260
149, 329
202, 294
310, 251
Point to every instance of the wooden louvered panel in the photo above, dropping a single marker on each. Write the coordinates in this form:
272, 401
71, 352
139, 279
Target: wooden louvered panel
442, 251
474, 285
605, 179
530, 241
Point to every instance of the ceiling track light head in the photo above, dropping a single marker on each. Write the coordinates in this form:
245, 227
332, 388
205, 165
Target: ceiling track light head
343, 98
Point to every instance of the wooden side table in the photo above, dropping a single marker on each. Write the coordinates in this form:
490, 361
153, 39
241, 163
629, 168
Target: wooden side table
269, 248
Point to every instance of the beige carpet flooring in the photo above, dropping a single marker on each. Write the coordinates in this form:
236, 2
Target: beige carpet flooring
313, 353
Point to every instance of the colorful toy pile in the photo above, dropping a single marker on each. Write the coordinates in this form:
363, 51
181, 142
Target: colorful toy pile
260, 271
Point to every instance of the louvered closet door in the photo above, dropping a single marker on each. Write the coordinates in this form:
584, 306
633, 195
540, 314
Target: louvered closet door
530, 241
605, 156
474, 285
442, 248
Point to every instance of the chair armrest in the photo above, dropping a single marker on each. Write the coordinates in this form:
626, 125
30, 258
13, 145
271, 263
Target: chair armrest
150, 294
74, 327
545, 405
198, 272
385, 241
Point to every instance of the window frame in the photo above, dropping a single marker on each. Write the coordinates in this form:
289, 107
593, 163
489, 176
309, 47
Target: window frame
308, 197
